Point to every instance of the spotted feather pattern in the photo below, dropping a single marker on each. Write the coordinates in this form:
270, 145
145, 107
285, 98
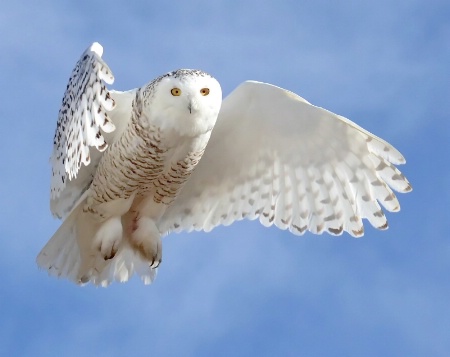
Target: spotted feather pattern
82, 118
136, 163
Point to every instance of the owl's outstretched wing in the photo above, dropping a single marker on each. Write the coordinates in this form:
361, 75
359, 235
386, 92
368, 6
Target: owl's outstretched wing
87, 112
276, 157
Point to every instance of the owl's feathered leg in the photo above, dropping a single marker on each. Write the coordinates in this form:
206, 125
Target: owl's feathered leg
142, 233
108, 237
98, 242
99, 239
146, 238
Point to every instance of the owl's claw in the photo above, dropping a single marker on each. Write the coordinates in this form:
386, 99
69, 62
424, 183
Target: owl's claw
145, 238
108, 238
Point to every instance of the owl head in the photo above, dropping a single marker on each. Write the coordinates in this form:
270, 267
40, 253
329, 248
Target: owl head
187, 101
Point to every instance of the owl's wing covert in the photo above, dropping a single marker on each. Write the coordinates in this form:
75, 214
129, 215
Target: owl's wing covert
274, 156
82, 123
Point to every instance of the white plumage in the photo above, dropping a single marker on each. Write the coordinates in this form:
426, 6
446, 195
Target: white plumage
271, 156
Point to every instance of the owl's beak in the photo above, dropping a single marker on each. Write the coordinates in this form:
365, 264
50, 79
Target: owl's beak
193, 105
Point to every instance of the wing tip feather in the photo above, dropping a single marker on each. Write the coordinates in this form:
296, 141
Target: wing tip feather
97, 48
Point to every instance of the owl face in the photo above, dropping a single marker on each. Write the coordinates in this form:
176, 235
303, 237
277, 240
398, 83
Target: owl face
186, 100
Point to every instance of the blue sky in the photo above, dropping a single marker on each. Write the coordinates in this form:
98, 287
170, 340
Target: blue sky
241, 290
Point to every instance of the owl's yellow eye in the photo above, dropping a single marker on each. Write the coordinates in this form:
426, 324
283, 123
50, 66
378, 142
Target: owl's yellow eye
204, 91
176, 92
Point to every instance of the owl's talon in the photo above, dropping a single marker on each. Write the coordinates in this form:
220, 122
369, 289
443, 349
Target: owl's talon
108, 238
145, 238
155, 264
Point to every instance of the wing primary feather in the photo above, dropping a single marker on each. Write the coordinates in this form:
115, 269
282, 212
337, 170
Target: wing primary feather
335, 226
280, 201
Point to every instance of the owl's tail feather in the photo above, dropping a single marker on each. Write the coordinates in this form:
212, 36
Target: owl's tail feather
62, 257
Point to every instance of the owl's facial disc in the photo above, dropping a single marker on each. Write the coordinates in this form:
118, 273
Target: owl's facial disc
191, 93
187, 101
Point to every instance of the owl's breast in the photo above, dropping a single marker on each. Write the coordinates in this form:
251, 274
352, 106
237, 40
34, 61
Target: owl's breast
146, 162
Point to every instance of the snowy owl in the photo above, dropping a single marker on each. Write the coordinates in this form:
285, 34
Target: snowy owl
130, 167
